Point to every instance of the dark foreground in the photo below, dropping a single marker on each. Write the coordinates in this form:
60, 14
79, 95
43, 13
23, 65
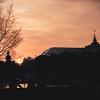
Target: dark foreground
50, 94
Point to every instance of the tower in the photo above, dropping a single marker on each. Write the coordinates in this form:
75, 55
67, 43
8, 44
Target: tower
95, 40
94, 44
8, 57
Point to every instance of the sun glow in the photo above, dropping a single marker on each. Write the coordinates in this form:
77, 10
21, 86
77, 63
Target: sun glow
19, 60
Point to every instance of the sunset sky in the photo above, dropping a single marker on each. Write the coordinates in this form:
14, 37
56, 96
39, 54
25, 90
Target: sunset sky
51, 23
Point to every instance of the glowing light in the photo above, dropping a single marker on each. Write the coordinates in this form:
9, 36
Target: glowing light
19, 60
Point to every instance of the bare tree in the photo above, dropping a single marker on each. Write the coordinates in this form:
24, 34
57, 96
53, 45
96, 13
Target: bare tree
9, 35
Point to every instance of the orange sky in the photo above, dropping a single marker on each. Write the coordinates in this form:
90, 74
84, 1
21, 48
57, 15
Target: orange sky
49, 23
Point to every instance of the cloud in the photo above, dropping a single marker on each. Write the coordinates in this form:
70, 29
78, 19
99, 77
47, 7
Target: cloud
49, 23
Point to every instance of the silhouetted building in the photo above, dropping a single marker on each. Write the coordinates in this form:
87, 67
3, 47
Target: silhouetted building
71, 66
63, 50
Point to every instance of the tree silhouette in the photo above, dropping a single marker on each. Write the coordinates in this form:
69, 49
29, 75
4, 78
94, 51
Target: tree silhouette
9, 35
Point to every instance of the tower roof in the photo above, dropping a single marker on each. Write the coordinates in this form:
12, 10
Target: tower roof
94, 39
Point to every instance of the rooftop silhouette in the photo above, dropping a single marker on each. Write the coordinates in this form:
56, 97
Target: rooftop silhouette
61, 50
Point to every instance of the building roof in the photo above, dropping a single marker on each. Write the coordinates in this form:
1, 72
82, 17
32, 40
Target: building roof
61, 50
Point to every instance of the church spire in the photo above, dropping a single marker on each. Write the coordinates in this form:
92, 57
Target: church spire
94, 39
94, 43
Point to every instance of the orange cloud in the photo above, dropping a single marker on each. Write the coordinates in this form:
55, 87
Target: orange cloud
49, 23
